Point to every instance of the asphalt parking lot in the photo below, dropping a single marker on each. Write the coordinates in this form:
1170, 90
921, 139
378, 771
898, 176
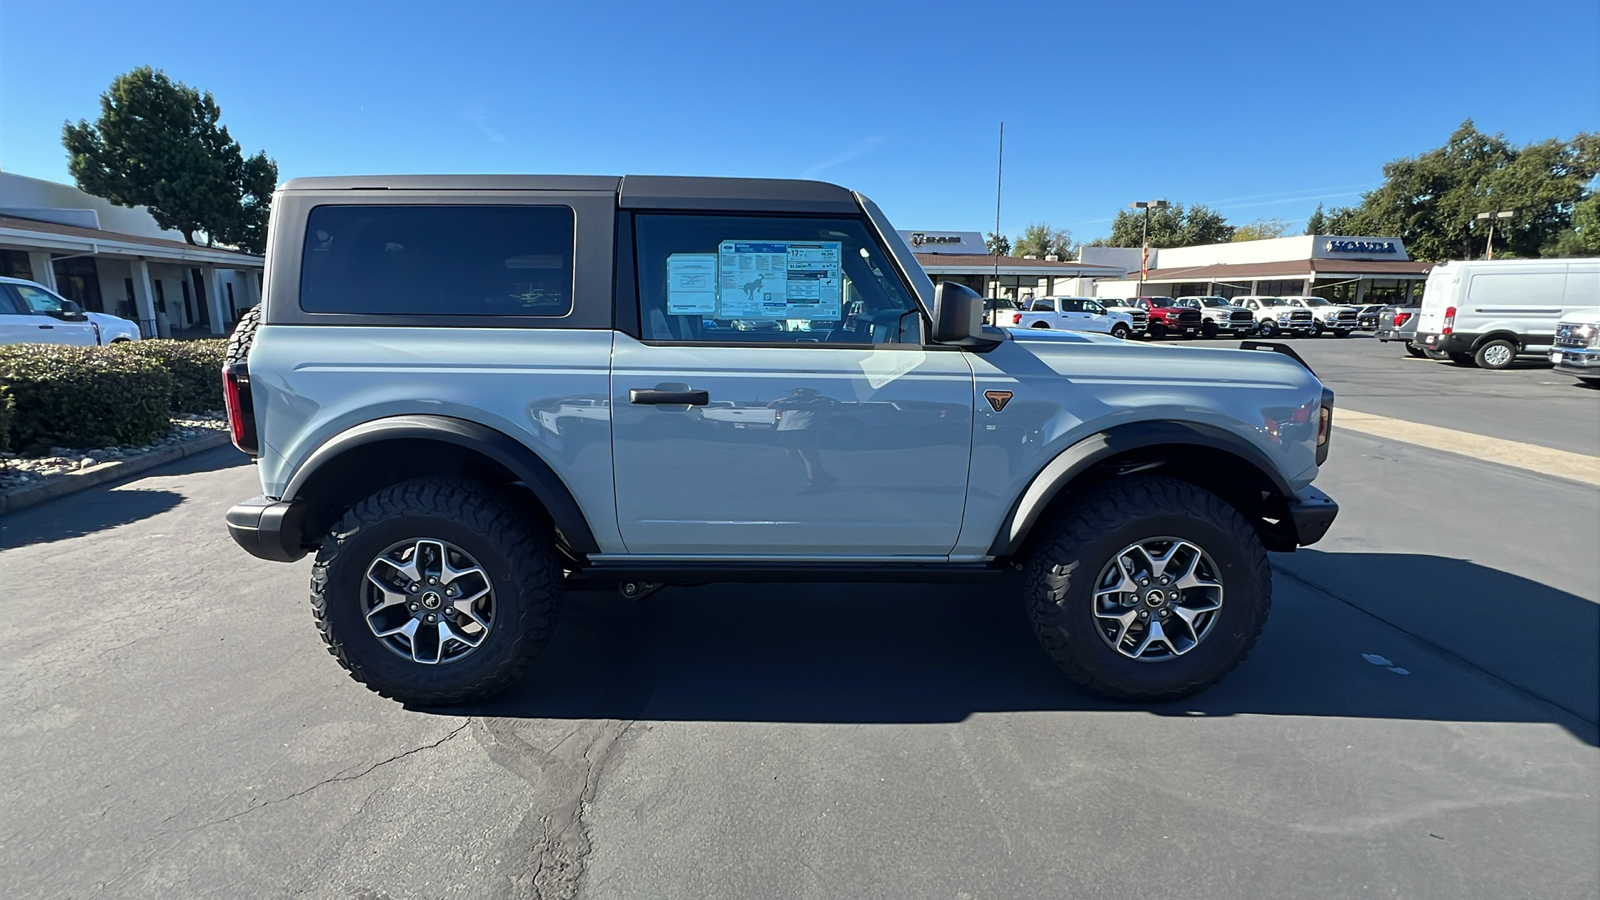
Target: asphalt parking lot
1419, 720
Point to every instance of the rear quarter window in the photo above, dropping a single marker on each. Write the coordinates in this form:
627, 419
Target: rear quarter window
438, 260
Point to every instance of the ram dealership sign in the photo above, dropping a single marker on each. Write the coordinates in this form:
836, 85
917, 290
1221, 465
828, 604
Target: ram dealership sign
965, 242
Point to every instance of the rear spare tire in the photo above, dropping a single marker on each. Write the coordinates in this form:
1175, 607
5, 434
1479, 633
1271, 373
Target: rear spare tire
1147, 588
244, 334
435, 592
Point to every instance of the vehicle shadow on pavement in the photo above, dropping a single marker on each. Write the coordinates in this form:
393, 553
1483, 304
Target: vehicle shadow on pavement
930, 654
81, 514
104, 506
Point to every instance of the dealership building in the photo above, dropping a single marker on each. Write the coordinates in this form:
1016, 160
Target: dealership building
115, 259
1343, 269
963, 257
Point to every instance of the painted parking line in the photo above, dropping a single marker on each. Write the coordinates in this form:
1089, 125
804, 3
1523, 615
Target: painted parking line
1580, 467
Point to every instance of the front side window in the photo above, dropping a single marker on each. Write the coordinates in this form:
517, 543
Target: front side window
1089, 306
38, 302
755, 279
438, 260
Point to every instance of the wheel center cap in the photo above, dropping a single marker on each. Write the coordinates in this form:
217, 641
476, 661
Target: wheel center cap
431, 600
1155, 598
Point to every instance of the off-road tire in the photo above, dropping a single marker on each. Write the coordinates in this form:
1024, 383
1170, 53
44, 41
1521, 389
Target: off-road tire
1070, 551
244, 334
517, 552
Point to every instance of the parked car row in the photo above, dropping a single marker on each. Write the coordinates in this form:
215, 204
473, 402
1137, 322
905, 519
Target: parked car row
31, 313
1184, 317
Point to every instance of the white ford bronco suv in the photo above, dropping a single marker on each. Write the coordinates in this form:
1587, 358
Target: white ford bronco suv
467, 393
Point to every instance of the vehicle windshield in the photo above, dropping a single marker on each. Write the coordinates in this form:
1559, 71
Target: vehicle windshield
1314, 301
1213, 302
1162, 301
1273, 301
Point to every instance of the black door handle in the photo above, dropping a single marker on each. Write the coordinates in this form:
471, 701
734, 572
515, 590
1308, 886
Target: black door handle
46, 326
668, 398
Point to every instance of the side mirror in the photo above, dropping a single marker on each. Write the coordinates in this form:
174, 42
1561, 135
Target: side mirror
71, 312
958, 318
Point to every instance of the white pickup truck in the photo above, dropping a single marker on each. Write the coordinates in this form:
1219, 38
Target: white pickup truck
1073, 314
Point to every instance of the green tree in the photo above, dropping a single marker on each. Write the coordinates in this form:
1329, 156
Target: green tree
1261, 229
1318, 223
1041, 240
1430, 201
999, 244
1172, 226
160, 144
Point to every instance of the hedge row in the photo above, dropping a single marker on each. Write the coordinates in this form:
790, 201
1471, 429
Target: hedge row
60, 396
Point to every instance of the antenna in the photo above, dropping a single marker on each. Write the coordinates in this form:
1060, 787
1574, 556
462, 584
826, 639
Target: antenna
999, 175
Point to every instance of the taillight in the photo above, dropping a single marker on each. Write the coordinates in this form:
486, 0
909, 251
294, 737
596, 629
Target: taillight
241, 407
1449, 320
1016, 318
1401, 318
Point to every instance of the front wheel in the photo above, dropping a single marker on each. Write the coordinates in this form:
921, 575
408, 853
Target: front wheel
1147, 588
1316, 329
1341, 333
1120, 331
1208, 330
1268, 329
435, 592
1157, 331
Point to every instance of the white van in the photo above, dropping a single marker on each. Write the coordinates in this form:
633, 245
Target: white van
1486, 313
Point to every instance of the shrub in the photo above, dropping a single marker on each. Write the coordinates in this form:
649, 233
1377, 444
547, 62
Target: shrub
196, 368
84, 396
8, 411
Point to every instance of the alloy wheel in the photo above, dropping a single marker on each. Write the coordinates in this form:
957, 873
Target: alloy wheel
1157, 599
428, 601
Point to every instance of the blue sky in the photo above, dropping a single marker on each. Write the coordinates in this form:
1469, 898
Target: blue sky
1258, 109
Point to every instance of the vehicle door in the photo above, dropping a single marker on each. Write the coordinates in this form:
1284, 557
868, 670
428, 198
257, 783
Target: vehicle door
17, 325
1095, 317
857, 436
53, 318
1073, 316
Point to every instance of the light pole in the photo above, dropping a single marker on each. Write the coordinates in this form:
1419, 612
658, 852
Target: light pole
1488, 250
1144, 260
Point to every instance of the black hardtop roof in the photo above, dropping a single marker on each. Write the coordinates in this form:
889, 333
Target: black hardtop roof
633, 191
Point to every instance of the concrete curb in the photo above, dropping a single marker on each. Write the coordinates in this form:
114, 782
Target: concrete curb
55, 486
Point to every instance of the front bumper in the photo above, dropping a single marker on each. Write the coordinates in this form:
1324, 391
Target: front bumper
1299, 521
267, 528
1583, 361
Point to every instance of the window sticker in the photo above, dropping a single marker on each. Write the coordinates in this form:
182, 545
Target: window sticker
779, 280
692, 284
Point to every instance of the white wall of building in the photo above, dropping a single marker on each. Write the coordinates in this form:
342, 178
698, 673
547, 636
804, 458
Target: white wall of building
20, 194
1287, 249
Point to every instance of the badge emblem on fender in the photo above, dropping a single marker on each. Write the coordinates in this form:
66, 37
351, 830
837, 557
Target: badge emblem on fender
997, 399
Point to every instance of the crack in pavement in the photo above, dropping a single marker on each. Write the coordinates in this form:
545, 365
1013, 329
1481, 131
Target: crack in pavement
335, 779
547, 851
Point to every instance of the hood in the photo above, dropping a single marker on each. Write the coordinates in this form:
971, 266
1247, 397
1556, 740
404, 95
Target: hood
1582, 317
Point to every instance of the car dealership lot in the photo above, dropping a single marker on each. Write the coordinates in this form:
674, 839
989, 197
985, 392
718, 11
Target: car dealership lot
1419, 718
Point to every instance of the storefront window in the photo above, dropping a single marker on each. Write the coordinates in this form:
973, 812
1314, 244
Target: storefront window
78, 279
15, 264
1385, 291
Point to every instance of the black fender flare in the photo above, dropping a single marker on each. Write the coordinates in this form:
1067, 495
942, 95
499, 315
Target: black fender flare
496, 445
1098, 447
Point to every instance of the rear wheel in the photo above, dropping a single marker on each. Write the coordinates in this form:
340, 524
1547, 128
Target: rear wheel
1416, 351
434, 592
1460, 359
1147, 588
1496, 354
1040, 325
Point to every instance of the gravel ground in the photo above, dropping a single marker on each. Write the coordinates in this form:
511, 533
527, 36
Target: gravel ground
17, 470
